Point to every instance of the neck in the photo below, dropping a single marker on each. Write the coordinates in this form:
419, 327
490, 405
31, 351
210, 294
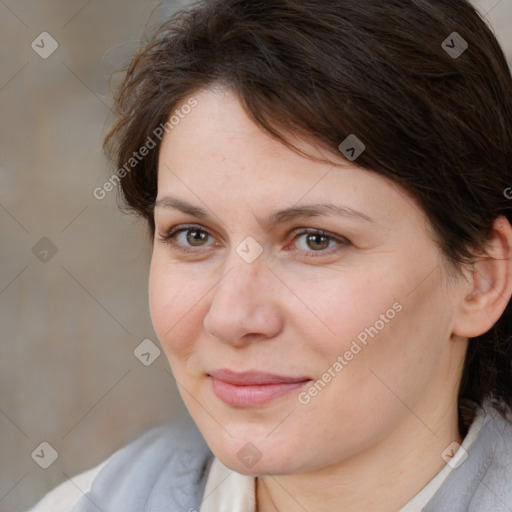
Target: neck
382, 479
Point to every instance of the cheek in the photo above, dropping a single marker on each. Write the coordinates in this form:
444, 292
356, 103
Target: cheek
402, 355
342, 310
173, 305
376, 324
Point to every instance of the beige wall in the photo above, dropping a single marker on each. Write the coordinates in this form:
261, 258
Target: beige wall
68, 374
69, 326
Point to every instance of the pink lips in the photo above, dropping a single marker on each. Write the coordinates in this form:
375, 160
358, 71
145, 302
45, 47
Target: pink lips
249, 389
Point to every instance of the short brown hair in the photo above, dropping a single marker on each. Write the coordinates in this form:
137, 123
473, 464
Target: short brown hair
437, 123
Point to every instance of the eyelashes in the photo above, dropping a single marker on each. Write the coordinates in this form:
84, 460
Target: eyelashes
317, 236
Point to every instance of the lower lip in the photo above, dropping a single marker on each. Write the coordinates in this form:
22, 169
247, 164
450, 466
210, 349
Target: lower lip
254, 395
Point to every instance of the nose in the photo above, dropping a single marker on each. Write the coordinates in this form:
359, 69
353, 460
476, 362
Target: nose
245, 305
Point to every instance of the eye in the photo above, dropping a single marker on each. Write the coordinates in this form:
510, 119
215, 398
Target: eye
181, 236
188, 238
317, 241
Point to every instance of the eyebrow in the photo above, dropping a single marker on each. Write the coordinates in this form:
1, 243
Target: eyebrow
275, 218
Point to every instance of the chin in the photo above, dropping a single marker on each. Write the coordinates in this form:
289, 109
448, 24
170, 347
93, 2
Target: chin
253, 455
261, 468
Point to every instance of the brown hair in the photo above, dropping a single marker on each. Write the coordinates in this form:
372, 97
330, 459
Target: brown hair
437, 123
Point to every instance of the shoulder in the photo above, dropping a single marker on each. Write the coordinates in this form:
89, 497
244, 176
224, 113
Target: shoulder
163, 469
481, 476
494, 492
67, 494
175, 452
150, 452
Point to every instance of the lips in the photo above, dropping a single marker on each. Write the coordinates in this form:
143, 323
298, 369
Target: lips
252, 388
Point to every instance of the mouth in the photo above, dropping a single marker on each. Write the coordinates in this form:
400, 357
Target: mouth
251, 389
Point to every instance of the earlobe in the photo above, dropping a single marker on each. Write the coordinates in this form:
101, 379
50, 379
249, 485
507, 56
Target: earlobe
491, 284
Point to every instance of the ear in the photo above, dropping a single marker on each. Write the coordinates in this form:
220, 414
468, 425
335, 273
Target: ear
489, 284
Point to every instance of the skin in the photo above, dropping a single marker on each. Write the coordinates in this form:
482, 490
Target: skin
372, 438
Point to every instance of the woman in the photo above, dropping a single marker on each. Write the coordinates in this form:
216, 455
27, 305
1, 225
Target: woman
325, 186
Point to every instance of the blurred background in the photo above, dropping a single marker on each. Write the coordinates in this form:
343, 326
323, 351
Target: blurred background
73, 273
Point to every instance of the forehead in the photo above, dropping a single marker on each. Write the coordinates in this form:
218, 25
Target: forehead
217, 152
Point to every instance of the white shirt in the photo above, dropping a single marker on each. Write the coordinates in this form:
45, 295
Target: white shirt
229, 491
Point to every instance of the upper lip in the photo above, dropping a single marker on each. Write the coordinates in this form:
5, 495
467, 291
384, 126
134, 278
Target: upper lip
253, 377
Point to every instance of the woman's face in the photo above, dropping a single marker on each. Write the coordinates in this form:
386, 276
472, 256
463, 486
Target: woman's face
299, 334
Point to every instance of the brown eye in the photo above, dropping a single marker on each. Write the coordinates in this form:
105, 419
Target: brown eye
312, 242
317, 242
196, 237
186, 238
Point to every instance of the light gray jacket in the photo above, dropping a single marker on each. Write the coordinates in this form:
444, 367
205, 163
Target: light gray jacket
166, 468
